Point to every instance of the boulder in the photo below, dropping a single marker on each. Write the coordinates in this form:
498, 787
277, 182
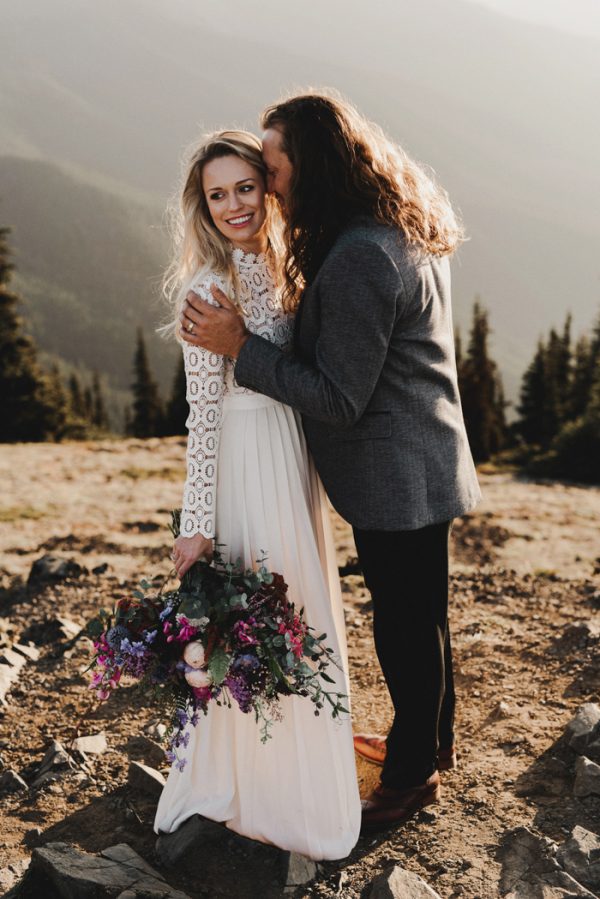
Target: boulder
147, 780
195, 832
296, 870
144, 749
530, 869
587, 778
94, 744
51, 569
580, 857
398, 883
584, 728
55, 763
11, 782
62, 870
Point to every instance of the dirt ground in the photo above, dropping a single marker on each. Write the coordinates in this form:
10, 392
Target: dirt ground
526, 569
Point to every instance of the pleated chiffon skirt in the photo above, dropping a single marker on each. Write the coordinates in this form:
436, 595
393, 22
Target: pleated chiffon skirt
298, 790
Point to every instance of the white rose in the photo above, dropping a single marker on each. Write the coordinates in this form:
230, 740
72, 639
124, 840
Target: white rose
193, 654
200, 677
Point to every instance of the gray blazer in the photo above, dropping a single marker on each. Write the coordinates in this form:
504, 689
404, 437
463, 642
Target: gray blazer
373, 373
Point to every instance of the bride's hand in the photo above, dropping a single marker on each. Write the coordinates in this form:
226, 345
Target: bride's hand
187, 550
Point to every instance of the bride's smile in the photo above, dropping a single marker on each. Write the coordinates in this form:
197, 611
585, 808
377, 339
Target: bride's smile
235, 196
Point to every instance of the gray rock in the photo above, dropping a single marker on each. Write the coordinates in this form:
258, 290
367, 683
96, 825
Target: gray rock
530, 869
580, 857
592, 750
12, 873
94, 744
398, 883
11, 782
11, 658
30, 652
195, 832
8, 676
147, 780
146, 750
157, 730
50, 569
72, 874
296, 870
65, 627
584, 728
587, 778
124, 854
55, 763
11, 663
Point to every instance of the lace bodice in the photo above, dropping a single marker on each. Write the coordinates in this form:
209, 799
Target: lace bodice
210, 377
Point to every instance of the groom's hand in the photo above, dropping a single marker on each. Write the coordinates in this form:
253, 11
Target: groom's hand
219, 329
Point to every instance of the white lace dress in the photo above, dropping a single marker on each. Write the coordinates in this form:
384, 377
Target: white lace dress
251, 483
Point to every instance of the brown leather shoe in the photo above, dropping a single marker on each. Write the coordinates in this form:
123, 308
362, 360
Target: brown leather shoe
386, 807
372, 747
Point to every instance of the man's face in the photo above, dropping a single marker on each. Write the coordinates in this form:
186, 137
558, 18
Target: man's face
279, 167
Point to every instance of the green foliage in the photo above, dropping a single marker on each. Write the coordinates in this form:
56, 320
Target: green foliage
32, 403
568, 431
481, 391
148, 418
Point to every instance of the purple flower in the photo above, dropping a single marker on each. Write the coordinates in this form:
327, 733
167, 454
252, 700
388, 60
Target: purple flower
181, 763
116, 635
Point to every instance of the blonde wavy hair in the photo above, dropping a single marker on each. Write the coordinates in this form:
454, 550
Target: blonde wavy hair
199, 248
344, 165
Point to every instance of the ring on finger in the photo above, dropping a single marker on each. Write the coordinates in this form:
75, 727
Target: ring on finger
190, 328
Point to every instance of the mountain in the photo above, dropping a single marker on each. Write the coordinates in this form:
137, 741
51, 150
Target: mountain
501, 109
88, 264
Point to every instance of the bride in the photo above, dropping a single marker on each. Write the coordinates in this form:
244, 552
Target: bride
251, 485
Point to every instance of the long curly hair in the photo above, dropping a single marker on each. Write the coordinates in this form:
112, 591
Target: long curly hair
199, 248
344, 165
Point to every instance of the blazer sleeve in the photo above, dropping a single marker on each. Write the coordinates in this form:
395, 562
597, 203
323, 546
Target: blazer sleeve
359, 291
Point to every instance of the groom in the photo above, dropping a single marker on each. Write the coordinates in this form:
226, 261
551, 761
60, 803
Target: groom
374, 376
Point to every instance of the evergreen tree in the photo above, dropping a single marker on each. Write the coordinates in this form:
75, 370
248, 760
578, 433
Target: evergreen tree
481, 391
27, 404
532, 421
178, 409
88, 404
147, 411
99, 414
76, 398
59, 401
582, 377
458, 354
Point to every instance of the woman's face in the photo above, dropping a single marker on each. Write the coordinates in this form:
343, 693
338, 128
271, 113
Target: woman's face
235, 195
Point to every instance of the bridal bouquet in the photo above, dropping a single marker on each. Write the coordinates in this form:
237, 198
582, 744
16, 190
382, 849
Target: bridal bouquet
225, 635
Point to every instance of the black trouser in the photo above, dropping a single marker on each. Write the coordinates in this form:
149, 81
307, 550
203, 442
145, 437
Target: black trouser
407, 575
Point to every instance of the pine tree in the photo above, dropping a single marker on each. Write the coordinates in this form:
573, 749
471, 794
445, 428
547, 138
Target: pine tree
88, 404
76, 399
533, 417
582, 377
178, 409
147, 411
458, 353
27, 409
481, 391
99, 414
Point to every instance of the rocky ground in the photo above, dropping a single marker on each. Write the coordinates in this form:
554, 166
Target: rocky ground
525, 615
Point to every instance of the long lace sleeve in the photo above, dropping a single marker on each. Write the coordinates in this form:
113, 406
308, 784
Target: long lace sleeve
205, 381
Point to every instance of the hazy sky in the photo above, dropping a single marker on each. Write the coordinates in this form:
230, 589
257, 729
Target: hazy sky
577, 16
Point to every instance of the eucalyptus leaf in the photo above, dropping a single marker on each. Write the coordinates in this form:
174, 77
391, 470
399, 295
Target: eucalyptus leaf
218, 665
